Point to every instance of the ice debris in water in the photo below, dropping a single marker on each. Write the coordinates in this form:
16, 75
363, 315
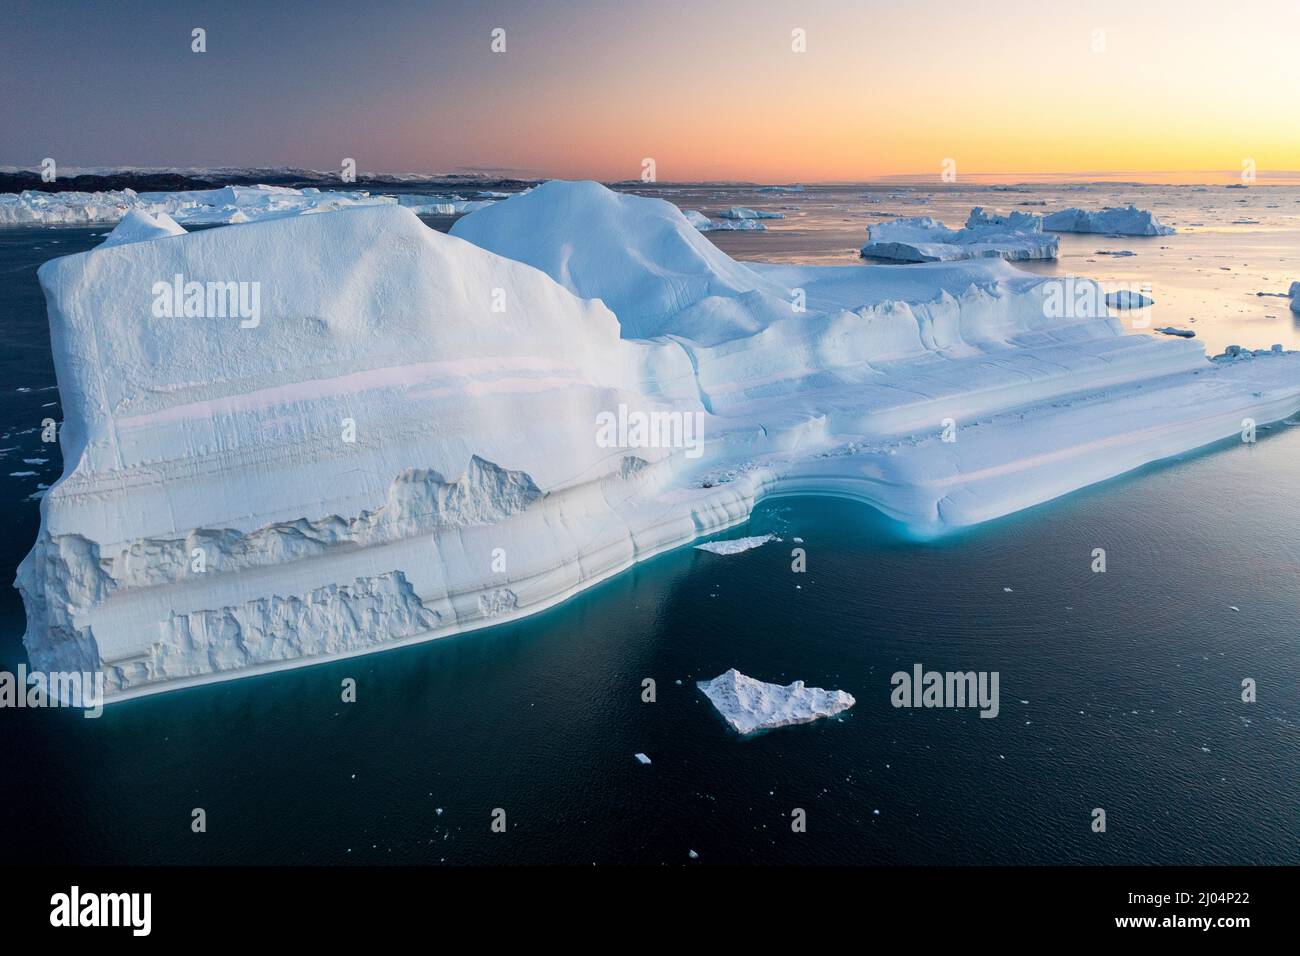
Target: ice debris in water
750, 705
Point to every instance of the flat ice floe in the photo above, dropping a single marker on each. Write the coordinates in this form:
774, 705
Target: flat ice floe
1113, 221
412, 438
1014, 236
750, 705
736, 545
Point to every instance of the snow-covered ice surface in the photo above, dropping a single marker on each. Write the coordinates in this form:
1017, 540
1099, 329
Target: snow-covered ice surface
1014, 236
736, 545
407, 445
750, 705
1113, 221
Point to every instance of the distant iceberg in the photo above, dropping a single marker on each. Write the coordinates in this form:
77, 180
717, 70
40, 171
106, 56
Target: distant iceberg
140, 226
704, 224
1014, 236
440, 206
1295, 296
408, 442
1126, 299
1113, 221
741, 212
750, 705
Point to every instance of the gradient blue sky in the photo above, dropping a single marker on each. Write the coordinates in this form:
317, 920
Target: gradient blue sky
709, 88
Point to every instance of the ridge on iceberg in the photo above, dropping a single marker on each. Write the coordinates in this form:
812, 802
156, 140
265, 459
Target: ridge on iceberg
750, 705
1113, 221
1015, 236
415, 436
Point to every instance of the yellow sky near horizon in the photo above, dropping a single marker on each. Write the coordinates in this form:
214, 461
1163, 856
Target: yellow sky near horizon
715, 91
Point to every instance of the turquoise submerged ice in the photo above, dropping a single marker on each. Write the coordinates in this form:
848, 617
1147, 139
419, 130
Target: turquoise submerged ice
424, 434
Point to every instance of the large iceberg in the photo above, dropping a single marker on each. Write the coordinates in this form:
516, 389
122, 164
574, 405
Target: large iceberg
750, 705
1014, 236
1113, 221
317, 436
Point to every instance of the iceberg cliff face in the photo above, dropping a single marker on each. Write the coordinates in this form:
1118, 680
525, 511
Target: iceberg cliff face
323, 435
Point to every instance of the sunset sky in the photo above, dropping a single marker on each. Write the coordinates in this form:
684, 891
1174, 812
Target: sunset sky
710, 89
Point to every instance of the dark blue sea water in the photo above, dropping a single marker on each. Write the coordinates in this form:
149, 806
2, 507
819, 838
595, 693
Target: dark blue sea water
1119, 690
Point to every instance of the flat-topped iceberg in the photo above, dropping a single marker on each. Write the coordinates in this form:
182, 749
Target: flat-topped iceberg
1014, 236
750, 705
322, 435
1113, 221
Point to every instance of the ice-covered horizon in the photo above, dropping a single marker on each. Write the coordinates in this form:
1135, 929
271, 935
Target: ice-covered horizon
229, 205
990, 180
